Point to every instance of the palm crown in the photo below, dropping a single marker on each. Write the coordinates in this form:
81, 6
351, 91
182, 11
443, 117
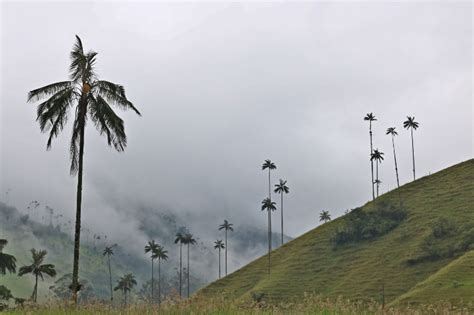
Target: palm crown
281, 187
126, 283
410, 123
151, 247
268, 164
226, 226
219, 244
268, 205
108, 251
160, 253
391, 131
377, 155
37, 267
189, 239
179, 238
324, 216
7, 262
370, 117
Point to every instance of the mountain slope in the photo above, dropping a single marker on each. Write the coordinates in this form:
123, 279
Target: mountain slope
436, 231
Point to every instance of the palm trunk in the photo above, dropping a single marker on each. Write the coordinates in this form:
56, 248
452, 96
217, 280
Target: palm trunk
34, 295
413, 153
187, 287
159, 281
269, 239
371, 161
377, 176
152, 283
395, 159
226, 251
180, 268
110, 279
281, 218
219, 262
269, 185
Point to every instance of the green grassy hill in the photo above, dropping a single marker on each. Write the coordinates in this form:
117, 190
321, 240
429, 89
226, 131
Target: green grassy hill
421, 251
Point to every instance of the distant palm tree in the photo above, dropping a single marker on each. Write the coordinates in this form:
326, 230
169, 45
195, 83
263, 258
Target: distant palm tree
391, 131
370, 118
219, 244
161, 254
151, 248
281, 189
411, 124
377, 156
38, 269
91, 99
108, 251
188, 240
226, 226
126, 284
7, 262
268, 164
325, 216
179, 239
269, 206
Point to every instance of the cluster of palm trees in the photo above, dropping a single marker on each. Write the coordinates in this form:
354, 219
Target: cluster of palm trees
184, 238
377, 156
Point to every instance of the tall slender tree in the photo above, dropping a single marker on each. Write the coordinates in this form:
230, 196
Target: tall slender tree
179, 239
219, 245
7, 262
37, 269
392, 132
268, 164
151, 248
377, 156
411, 124
188, 240
226, 226
269, 206
281, 189
108, 251
161, 254
126, 284
371, 118
325, 216
91, 99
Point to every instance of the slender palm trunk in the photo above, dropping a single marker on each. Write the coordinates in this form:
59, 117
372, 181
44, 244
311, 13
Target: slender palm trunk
187, 287
34, 295
395, 159
180, 268
371, 161
152, 283
110, 280
269, 239
413, 153
269, 185
219, 262
281, 218
226, 245
377, 175
159, 281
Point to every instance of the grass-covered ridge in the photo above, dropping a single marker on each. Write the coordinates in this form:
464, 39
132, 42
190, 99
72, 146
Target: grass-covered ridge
400, 259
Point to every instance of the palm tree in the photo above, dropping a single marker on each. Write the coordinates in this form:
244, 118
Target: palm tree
391, 131
151, 248
91, 98
7, 262
108, 251
281, 189
370, 118
325, 216
219, 244
411, 124
378, 157
271, 166
179, 239
38, 269
161, 254
226, 226
188, 240
126, 284
270, 206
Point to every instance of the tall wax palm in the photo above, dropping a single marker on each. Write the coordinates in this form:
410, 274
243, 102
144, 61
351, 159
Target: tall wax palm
268, 164
188, 240
89, 98
325, 216
151, 248
161, 254
377, 156
179, 239
219, 244
392, 132
108, 251
269, 206
371, 118
126, 284
7, 262
226, 226
281, 189
411, 124
38, 269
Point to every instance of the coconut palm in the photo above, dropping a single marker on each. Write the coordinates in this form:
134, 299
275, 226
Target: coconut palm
108, 251
151, 248
411, 124
179, 239
226, 226
281, 189
38, 269
219, 244
269, 206
391, 131
161, 254
370, 118
126, 284
7, 262
268, 164
90, 98
188, 240
377, 156
325, 216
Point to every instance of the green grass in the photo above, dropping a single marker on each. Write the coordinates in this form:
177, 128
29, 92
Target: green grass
310, 264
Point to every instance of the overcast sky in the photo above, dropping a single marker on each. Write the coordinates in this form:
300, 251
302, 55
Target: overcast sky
223, 86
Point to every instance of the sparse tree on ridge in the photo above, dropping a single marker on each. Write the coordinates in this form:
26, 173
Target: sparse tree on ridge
392, 132
151, 248
325, 216
269, 206
281, 189
411, 124
160, 254
108, 251
7, 262
188, 240
37, 269
268, 164
179, 239
226, 226
219, 245
89, 98
377, 156
126, 284
370, 118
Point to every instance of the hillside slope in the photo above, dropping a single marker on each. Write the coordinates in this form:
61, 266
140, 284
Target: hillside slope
431, 243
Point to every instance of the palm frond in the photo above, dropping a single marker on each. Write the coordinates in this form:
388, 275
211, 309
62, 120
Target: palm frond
50, 89
114, 93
